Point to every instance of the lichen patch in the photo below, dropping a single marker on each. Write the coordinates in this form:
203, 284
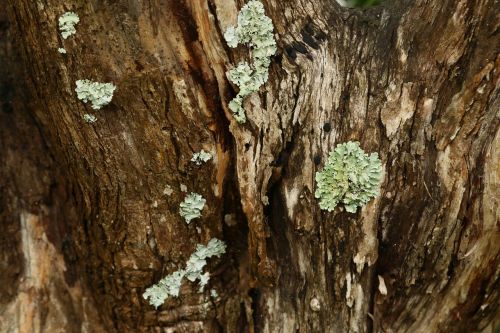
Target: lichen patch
350, 176
254, 29
201, 157
170, 285
67, 22
192, 206
98, 94
89, 118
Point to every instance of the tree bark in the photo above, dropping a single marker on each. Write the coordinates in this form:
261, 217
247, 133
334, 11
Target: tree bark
87, 226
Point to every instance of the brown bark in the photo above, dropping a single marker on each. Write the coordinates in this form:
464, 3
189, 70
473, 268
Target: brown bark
88, 228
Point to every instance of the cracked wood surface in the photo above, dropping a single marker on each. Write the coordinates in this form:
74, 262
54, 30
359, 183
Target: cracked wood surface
415, 81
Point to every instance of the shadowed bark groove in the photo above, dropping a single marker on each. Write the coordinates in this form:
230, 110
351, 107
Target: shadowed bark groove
414, 80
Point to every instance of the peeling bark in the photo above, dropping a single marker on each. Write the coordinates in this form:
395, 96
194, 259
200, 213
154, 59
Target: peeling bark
88, 225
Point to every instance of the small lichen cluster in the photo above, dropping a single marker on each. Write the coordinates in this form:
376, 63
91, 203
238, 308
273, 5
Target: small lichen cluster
67, 22
201, 157
189, 209
171, 284
99, 94
256, 30
350, 176
89, 118
192, 206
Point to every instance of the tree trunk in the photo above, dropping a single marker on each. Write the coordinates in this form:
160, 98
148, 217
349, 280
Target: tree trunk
87, 223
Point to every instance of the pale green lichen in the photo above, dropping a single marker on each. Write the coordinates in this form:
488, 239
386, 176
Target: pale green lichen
67, 22
99, 94
350, 176
192, 206
171, 284
89, 118
256, 30
61, 50
201, 157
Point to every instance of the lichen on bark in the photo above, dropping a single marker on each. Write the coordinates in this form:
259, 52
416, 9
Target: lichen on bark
254, 29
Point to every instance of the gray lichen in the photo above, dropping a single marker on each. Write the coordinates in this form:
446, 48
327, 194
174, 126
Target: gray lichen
99, 94
350, 176
171, 284
192, 206
67, 22
61, 50
201, 157
256, 30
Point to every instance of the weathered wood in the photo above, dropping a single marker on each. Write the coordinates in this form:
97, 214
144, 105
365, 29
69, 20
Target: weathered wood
415, 81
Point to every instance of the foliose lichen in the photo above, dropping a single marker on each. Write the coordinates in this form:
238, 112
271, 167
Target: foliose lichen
67, 22
89, 118
195, 264
192, 206
350, 176
201, 157
61, 50
99, 94
171, 284
256, 30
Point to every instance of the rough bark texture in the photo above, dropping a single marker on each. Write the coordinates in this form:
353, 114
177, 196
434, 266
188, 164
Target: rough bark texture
86, 226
